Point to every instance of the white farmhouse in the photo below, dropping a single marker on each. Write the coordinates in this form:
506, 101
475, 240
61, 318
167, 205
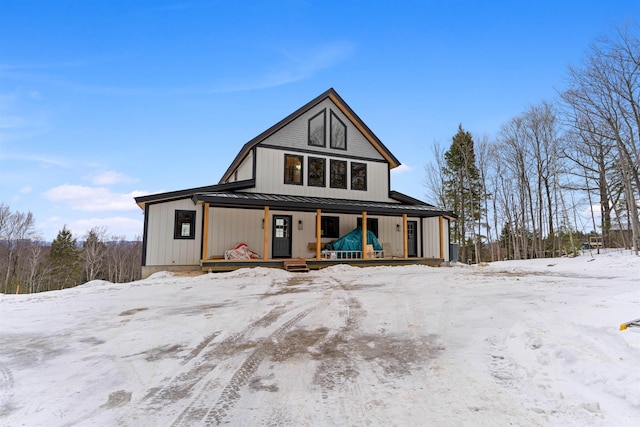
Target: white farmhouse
311, 178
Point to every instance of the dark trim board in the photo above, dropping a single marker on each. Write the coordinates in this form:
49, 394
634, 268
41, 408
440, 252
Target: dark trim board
188, 193
219, 266
337, 155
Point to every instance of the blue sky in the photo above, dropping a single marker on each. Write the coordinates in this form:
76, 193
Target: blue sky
101, 101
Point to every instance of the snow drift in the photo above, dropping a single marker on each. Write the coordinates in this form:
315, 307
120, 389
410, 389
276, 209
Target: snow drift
508, 343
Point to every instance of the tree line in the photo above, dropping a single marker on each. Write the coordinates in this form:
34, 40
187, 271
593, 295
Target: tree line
517, 196
28, 264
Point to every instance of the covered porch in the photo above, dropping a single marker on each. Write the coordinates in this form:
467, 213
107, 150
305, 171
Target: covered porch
412, 227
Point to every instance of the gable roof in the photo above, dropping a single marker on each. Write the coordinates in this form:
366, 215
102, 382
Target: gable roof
346, 110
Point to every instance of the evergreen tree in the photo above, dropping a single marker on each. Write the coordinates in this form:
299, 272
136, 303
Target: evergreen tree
463, 189
65, 260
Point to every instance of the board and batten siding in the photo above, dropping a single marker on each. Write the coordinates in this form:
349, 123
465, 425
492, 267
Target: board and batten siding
162, 248
296, 134
245, 170
270, 178
229, 227
431, 236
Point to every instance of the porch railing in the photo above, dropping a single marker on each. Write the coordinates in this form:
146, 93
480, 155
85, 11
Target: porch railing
328, 254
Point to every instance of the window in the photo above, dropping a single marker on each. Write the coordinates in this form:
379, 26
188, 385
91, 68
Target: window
338, 174
292, 169
372, 225
358, 176
185, 225
316, 172
330, 226
316, 130
338, 133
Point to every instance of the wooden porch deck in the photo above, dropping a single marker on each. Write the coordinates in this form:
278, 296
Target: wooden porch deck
221, 265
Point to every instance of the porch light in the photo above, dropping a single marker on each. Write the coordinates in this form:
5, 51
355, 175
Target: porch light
398, 227
262, 225
299, 224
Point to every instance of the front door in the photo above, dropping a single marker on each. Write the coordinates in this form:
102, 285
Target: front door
412, 238
281, 236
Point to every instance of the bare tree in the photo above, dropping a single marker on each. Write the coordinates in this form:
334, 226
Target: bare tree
94, 252
434, 179
605, 95
15, 228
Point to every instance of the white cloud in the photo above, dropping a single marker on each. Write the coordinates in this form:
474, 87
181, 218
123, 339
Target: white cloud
45, 161
294, 65
401, 169
110, 178
26, 190
93, 199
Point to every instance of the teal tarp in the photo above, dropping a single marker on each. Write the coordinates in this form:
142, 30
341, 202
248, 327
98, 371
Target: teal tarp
352, 241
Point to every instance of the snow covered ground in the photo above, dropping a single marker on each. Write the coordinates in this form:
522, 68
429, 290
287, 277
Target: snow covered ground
509, 343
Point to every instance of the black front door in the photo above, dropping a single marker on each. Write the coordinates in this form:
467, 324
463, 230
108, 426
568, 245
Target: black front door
281, 236
412, 238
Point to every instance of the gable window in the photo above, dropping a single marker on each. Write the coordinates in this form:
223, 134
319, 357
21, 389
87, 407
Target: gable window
292, 169
338, 174
316, 172
185, 225
358, 176
317, 134
338, 133
330, 226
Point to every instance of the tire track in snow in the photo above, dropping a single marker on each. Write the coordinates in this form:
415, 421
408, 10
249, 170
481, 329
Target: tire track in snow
196, 369
337, 371
200, 409
6, 379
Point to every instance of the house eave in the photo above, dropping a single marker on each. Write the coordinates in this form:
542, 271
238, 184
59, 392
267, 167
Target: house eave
141, 201
310, 204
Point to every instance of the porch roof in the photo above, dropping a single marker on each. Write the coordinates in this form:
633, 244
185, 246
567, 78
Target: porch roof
309, 204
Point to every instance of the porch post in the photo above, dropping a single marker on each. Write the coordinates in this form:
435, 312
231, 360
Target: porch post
318, 232
364, 235
405, 240
265, 247
205, 233
441, 237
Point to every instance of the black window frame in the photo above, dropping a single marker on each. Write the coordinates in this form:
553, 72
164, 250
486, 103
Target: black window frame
372, 225
354, 176
331, 174
324, 129
184, 217
331, 141
286, 172
330, 223
311, 182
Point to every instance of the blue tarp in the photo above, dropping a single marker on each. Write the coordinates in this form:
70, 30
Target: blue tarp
352, 241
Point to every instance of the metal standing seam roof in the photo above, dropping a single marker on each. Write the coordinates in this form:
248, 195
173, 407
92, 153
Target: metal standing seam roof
306, 203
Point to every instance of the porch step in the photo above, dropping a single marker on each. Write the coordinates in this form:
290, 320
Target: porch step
296, 266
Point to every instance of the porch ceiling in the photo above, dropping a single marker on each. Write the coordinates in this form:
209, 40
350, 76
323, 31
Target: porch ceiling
311, 204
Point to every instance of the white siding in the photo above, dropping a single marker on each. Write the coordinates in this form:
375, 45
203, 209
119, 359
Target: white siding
162, 248
270, 178
229, 227
295, 135
245, 170
431, 235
